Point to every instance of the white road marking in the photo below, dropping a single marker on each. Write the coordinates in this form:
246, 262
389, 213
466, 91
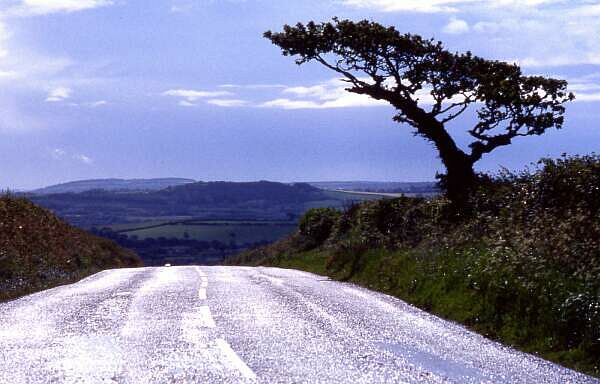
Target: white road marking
205, 318
192, 322
234, 360
203, 284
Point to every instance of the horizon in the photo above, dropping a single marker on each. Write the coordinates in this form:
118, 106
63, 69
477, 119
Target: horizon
225, 181
126, 89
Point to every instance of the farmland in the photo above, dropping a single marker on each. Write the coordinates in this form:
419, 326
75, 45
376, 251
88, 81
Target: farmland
190, 223
239, 232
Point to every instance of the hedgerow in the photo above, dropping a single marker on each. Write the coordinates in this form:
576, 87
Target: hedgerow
521, 264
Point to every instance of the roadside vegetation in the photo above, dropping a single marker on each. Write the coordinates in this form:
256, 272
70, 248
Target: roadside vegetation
40, 251
522, 265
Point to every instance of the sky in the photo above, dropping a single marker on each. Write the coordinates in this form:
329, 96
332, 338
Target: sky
182, 88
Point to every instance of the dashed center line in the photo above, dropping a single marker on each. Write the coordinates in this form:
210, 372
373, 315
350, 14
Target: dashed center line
234, 361
203, 284
206, 319
202, 274
202, 293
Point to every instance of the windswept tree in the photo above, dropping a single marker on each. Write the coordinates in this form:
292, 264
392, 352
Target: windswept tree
430, 86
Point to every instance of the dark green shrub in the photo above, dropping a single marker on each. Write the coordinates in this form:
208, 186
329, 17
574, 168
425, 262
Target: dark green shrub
580, 320
317, 224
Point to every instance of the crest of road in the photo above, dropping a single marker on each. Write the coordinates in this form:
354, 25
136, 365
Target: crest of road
244, 325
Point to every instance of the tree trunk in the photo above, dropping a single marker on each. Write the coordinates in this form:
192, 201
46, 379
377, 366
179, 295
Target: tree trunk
460, 179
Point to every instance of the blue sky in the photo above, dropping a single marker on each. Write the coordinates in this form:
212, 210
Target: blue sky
138, 88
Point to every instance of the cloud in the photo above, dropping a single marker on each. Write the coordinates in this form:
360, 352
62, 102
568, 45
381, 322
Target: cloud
321, 91
436, 6
253, 86
32, 70
227, 102
8, 74
83, 159
586, 88
58, 153
185, 103
59, 94
487, 27
24, 70
542, 33
559, 60
87, 104
96, 104
588, 97
189, 96
538, 33
290, 104
326, 95
18, 118
181, 6
4, 36
456, 27
428, 6
62, 154
44, 7
189, 6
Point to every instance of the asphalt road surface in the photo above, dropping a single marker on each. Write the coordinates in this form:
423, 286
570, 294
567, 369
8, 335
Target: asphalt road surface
244, 325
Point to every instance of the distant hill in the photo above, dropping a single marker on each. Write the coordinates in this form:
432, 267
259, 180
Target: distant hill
199, 222
262, 200
38, 250
221, 192
113, 185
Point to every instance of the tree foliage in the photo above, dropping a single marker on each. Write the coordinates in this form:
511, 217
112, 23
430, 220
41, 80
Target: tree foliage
430, 86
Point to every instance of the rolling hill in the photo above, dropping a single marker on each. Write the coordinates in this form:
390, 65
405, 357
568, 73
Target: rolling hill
113, 185
262, 200
200, 222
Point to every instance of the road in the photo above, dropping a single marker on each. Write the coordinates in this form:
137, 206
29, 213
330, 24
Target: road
244, 325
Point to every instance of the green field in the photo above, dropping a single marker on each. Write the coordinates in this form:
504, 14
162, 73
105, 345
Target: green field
341, 196
223, 231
